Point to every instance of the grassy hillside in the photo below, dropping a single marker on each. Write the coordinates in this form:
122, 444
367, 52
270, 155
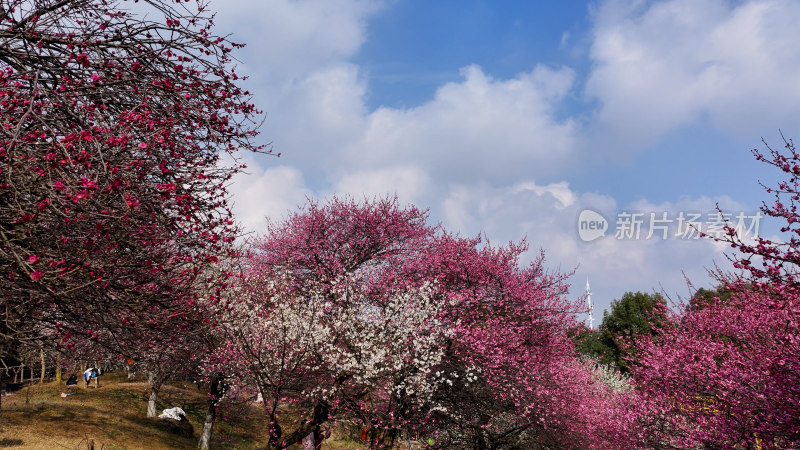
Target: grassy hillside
113, 417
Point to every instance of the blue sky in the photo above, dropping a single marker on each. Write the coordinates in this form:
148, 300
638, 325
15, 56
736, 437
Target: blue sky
413, 47
509, 118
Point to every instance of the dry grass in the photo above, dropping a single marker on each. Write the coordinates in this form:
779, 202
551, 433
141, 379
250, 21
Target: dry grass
113, 417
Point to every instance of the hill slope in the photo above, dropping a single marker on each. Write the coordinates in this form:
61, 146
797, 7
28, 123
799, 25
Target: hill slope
113, 417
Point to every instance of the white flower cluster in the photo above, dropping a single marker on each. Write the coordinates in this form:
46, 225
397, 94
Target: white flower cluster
375, 342
392, 342
608, 375
469, 375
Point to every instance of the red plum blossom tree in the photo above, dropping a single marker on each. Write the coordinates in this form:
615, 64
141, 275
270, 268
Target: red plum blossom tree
362, 311
725, 374
113, 119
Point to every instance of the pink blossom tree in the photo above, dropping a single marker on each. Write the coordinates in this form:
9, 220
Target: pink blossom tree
112, 196
773, 265
510, 377
362, 311
319, 322
725, 373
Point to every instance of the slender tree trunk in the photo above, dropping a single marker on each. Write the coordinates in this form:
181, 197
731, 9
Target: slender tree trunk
3, 380
58, 368
44, 366
151, 403
320, 416
208, 426
216, 389
480, 439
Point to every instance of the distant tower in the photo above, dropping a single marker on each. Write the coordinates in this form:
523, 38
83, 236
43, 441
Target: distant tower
590, 305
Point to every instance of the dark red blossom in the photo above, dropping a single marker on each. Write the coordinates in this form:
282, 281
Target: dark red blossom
111, 131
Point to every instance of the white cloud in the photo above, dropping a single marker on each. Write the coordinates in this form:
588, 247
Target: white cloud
662, 65
470, 152
548, 216
293, 37
315, 117
411, 184
560, 191
270, 193
477, 129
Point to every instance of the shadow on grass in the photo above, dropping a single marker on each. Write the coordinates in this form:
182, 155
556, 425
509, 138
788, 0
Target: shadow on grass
114, 417
8, 442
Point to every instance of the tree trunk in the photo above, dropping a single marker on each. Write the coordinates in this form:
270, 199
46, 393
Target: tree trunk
151, 403
44, 366
479, 439
320, 416
208, 427
216, 389
58, 368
